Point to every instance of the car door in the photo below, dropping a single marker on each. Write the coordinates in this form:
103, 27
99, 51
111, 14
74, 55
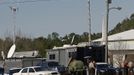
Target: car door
24, 71
32, 71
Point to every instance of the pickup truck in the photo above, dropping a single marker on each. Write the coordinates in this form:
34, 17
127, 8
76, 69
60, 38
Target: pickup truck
36, 70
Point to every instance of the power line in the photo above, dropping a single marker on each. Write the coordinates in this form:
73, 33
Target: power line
27, 1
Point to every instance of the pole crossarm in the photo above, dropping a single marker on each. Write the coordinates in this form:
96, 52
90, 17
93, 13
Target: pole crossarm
118, 8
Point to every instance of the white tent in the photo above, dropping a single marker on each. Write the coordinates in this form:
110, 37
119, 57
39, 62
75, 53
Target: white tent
124, 40
126, 35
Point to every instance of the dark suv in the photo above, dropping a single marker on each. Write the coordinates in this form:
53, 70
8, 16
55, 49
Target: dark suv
104, 68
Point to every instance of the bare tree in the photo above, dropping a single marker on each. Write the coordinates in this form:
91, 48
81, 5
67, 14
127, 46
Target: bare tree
120, 58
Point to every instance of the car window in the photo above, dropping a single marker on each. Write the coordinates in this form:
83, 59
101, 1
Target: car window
24, 70
14, 70
31, 70
43, 64
37, 69
53, 64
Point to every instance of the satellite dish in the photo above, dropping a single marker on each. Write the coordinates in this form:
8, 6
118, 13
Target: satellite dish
11, 51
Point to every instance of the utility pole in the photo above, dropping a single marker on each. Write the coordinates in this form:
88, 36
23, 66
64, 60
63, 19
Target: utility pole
89, 21
106, 30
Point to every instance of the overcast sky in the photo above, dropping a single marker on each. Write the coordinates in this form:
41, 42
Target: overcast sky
62, 16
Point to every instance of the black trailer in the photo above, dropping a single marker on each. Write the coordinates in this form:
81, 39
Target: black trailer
96, 52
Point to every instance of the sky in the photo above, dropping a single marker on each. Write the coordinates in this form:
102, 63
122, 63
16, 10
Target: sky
62, 16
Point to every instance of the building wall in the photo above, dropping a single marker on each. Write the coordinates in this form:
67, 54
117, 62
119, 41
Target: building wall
51, 52
62, 57
130, 57
120, 49
120, 58
68, 51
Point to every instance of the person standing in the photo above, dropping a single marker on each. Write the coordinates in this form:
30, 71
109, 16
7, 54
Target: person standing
130, 68
91, 67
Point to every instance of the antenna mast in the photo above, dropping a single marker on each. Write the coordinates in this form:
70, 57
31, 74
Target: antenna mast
14, 10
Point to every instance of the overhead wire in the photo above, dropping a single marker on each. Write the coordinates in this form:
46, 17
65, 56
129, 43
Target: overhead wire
26, 1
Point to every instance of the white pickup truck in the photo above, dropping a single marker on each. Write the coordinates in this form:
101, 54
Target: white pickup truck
36, 70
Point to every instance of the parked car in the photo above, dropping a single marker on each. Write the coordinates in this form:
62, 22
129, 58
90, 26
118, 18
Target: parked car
104, 69
53, 65
1, 71
14, 70
36, 70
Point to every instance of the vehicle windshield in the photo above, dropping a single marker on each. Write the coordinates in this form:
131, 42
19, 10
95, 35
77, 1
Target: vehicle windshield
43, 64
48, 65
37, 69
103, 66
53, 64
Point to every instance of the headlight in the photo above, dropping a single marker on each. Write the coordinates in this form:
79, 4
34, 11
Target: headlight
102, 70
49, 74
55, 69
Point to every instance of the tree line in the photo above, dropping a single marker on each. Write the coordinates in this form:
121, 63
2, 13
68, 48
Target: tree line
43, 43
